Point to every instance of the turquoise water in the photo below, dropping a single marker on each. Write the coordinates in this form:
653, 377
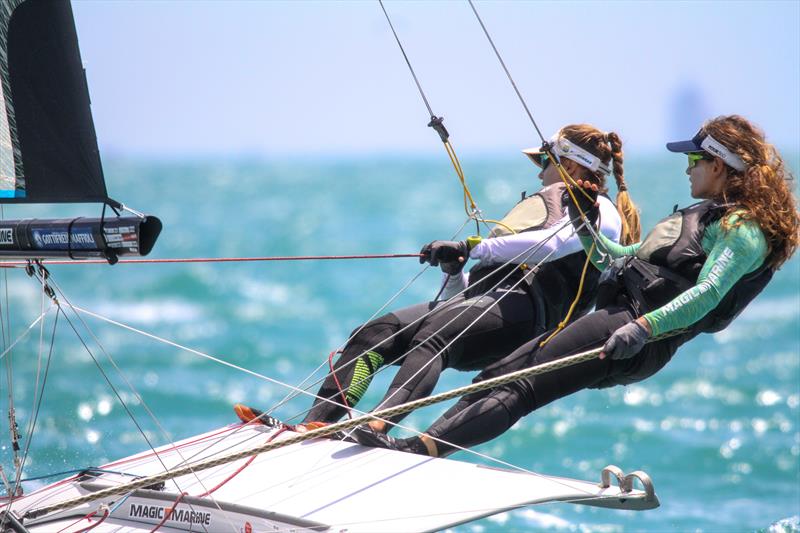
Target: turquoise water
718, 429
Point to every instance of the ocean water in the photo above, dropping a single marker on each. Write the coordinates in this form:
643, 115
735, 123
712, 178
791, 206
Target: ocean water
718, 429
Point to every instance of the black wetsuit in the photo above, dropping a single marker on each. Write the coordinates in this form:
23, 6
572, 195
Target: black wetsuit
460, 333
509, 322
668, 282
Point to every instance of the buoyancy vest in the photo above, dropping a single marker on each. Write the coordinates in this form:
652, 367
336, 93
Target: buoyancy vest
669, 262
554, 285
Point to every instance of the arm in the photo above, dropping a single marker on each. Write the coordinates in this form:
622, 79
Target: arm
549, 244
453, 284
733, 254
610, 227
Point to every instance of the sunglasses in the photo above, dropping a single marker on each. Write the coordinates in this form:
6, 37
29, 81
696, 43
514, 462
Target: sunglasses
541, 160
695, 157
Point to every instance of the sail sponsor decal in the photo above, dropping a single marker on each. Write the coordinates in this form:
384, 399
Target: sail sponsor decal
6, 236
173, 514
49, 239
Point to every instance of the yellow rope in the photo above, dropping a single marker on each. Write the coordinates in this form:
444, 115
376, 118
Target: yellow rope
457, 166
470, 207
563, 323
567, 179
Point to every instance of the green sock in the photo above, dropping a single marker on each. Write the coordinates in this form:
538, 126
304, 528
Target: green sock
366, 366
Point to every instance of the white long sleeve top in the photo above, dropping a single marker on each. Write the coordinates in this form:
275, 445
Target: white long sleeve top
535, 246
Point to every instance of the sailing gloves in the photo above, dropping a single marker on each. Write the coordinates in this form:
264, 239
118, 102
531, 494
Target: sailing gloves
450, 256
587, 203
626, 341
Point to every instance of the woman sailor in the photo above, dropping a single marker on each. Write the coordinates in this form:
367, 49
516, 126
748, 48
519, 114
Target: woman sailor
694, 273
502, 302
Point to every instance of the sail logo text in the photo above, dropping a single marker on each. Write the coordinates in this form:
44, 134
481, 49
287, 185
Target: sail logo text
62, 238
174, 515
6, 236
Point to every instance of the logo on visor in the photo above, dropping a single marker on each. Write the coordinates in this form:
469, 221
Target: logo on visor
6, 236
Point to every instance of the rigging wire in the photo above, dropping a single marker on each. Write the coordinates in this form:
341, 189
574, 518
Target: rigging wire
323, 431
437, 123
130, 385
303, 387
527, 253
503, 63
5, 331
104, 374
391, 300
493, 459
38, 395
264, 378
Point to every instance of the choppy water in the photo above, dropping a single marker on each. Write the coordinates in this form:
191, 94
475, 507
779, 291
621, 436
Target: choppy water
718, 429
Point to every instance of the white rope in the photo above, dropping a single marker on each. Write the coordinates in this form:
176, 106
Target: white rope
527, 253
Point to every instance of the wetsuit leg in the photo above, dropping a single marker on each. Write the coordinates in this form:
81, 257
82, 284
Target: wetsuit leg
465, 334
379, 342
486, 416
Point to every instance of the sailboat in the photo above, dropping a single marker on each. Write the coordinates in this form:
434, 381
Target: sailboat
242, 477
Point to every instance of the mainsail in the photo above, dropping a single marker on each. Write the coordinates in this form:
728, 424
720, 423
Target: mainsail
48, 146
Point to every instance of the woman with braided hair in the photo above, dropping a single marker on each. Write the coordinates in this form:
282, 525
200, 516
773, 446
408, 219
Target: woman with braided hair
501, 303
693, 273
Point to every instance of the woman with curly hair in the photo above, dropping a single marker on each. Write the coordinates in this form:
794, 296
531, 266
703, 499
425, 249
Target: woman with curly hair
693, 273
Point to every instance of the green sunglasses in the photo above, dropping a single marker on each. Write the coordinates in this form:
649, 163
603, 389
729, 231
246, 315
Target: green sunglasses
694, 157
541, 159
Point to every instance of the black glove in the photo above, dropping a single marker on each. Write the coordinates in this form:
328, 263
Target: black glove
626, 341
450, 255
589, 206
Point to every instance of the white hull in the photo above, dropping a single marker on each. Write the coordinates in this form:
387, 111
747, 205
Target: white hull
316, 485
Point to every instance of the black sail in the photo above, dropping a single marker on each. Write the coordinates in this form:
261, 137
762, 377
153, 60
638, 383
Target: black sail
48, 146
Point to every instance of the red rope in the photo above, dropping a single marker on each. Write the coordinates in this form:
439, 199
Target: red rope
168, 512
103, 519
87, 517
270, 439
15, 264
339, 385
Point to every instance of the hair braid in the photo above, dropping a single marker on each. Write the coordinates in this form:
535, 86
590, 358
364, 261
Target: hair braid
608, 147
629, 215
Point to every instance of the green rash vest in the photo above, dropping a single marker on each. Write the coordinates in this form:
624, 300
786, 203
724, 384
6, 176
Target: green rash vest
732, 254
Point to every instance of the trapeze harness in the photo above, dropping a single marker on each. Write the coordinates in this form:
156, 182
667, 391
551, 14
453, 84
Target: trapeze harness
668, 263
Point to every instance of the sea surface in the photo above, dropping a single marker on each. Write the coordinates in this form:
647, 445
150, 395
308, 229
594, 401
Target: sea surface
718, 429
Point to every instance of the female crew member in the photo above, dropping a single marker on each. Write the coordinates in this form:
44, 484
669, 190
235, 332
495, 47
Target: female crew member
694, 273
500, 304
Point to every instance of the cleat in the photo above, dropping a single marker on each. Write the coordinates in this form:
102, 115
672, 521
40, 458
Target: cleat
250, 415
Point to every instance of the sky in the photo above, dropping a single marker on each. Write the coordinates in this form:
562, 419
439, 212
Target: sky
199, 78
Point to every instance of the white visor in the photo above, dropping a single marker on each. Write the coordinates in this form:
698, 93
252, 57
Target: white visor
714, 147
562, 147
